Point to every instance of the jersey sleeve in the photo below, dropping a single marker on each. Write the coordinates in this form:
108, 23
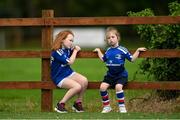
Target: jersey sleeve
104, 58
71, 50
126, 53
61, 57
128, 56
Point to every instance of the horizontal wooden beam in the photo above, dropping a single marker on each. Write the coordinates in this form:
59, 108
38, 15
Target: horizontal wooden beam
84, 21
163, 53
24, 54
167, 85
27, 85
76, 21
92, 85
22, 22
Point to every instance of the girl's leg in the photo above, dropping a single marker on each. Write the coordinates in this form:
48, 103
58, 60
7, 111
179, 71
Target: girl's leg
120, 98
104, 94
83, 82
73, 87
105, 97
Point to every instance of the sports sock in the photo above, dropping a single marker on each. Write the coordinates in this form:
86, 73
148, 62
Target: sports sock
105, 98
78, 101
120, 98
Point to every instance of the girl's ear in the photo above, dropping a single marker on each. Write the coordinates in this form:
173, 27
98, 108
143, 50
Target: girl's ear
119, 39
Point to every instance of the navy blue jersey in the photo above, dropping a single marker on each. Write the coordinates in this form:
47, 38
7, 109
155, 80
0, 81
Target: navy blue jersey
59, 64
115, 60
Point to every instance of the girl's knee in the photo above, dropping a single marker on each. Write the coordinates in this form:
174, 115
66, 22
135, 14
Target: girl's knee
84, 81
119, 87
103, 87
78, 87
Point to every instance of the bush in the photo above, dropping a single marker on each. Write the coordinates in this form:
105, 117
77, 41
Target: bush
161, 37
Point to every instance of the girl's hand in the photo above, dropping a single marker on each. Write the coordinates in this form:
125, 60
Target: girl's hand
141, 49
96, 50
77, 48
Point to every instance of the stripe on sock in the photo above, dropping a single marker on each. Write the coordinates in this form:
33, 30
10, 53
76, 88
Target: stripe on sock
120, 98
103, 93
105, 103
105, 98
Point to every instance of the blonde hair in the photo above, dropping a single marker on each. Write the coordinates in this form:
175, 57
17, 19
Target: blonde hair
114, 30
59, 38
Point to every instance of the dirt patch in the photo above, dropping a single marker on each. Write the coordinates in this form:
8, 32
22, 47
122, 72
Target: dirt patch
154, 104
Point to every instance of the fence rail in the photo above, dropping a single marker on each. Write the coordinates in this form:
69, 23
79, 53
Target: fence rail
163, 53
91, 85
84, 21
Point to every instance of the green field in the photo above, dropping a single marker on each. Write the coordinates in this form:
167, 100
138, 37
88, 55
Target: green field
88, 115
26, 103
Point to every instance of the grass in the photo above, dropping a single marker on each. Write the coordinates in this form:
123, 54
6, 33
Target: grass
87, 115
19, 104
18, 69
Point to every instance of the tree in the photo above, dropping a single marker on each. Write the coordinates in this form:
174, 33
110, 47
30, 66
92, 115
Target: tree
161, 37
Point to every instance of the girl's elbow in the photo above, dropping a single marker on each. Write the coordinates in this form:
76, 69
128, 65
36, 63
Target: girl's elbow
132, 60
70, 62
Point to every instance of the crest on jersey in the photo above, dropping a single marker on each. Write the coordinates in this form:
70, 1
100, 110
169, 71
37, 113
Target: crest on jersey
110, 61
118, 56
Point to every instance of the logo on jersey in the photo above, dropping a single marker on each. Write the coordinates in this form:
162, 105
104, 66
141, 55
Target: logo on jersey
110, 61
118, 56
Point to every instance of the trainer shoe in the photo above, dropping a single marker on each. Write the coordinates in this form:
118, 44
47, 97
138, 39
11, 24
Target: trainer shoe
122, 109
60, 108
106, 109
77, 107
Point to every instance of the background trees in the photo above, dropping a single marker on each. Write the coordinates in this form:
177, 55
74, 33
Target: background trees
161, 37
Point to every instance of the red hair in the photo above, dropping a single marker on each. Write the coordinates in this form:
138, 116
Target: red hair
59, 38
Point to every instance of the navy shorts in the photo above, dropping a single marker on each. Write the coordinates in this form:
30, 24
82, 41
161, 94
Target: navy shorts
112, 81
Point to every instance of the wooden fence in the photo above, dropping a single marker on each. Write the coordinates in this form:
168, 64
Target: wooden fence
48, 21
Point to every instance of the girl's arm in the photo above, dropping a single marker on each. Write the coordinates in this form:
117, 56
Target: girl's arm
73, 56
136, 54
100, 55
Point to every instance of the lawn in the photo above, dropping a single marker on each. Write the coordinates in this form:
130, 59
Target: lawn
87, 115
26, 103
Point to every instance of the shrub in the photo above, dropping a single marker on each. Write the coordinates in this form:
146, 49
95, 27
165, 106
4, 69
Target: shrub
161, 37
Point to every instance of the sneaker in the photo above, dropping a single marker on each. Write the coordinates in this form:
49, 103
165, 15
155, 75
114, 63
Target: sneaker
106, 109
77, 107
60, 108
122, 109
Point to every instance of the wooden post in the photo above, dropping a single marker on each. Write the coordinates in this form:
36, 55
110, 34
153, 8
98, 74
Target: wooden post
47, 36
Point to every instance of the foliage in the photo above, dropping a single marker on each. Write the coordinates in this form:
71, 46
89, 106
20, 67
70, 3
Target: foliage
161, 37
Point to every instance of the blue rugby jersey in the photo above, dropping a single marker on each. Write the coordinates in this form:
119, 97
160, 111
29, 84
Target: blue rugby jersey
115, 60
59, 64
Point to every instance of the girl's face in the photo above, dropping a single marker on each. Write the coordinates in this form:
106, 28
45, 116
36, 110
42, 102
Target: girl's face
68, 41
112, 39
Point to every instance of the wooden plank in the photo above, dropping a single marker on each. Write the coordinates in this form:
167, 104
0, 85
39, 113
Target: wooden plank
81, 21
167, 85
47, 38
27, 85
46, 85
22, 22
77, 21
24, 54
163, 53
160, 53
